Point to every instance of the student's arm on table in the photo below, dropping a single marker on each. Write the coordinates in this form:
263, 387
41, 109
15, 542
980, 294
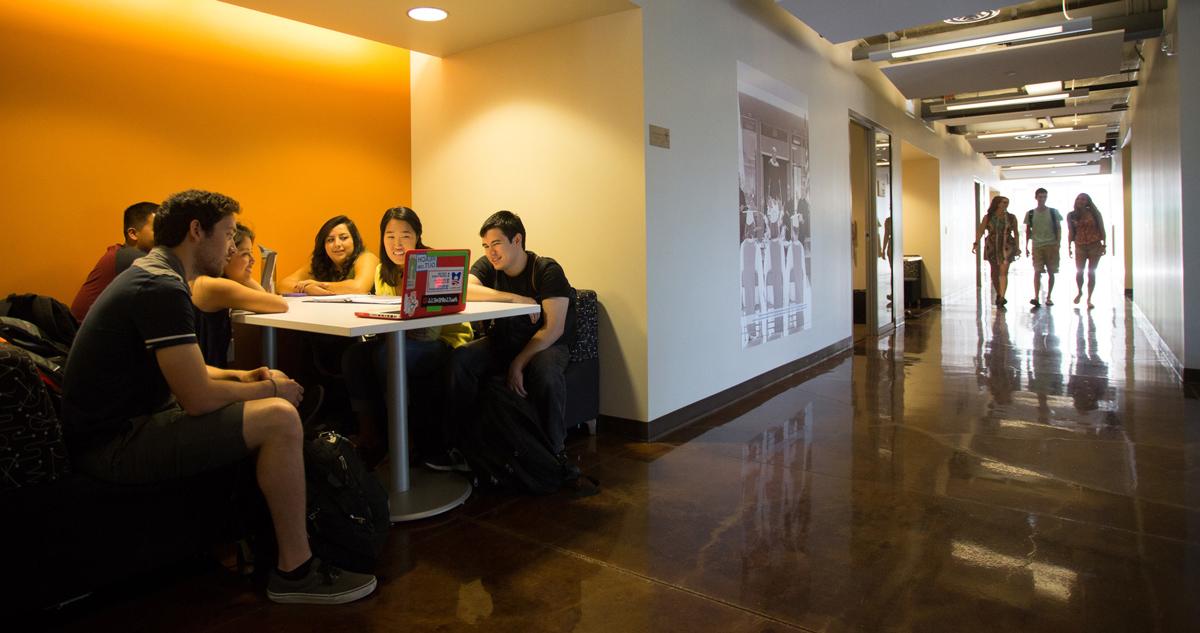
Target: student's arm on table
216, 293
476, 291
555, 309
361, 283
302, 281
201, 389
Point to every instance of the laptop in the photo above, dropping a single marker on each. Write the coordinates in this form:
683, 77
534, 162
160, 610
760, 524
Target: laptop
434, 283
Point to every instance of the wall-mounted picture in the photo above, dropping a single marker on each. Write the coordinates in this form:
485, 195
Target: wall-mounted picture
774, 219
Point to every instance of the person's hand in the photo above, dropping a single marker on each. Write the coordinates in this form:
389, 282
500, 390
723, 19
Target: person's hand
516, 378
317, 289
974, 246
263, 373
289, 390
533, 317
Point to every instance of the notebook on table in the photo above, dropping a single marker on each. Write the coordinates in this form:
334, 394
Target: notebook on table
434, 283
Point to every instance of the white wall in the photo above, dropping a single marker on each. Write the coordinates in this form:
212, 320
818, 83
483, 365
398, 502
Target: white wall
691, 53
548, 125
1160, 260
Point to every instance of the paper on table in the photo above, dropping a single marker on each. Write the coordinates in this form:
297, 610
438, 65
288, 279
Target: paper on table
375, 299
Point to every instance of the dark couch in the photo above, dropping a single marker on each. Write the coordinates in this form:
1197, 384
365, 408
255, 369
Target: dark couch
583, 373
66, 534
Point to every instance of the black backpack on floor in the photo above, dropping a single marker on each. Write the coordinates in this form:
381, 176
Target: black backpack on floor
348, 518
52, 316
47, 354
507, 449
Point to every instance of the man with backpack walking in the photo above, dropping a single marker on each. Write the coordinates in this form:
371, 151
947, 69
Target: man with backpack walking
1043, 226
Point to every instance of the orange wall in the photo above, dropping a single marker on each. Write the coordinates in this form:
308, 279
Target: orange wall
105, 103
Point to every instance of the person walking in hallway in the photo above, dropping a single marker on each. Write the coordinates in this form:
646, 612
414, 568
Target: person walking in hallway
1001, 247
1086, 243
1043, 225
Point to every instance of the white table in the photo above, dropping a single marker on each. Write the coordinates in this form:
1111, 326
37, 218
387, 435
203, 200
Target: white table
415, 493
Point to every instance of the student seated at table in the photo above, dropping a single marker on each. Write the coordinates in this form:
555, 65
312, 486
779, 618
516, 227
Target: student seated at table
139, 239
340, 263
141, 407
426, 352
531, 352
236, 289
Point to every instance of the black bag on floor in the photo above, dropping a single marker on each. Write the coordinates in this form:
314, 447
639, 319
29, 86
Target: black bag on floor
31, 442
348, 517
49, 355
507, 449
51, 315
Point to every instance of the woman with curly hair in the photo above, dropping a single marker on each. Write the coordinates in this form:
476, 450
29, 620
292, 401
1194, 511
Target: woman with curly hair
1001, 247
340, 263
1086, 242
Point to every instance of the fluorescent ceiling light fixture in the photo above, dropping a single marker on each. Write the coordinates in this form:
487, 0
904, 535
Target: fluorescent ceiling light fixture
979, 41
1016, 167
990, 103
427, 14
1037, 152
1022, 133
1043, 88
1023, 30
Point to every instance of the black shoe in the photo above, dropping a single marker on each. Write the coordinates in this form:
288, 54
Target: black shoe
324, 584
1035, 303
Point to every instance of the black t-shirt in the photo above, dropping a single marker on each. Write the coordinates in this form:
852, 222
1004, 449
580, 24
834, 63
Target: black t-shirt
542, 279
112, 373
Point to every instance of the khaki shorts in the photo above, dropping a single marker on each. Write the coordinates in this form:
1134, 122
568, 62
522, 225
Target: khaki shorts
1088, 254
1046, 258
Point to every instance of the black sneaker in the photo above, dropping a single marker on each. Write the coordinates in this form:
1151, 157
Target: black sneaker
1035, 303
447, 461
324, 584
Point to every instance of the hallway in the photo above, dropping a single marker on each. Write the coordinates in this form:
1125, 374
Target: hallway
980, 471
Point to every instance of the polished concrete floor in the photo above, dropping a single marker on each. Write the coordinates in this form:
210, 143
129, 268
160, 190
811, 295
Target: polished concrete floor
979, 470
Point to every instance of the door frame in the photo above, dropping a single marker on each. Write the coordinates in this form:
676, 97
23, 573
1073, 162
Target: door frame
873, 324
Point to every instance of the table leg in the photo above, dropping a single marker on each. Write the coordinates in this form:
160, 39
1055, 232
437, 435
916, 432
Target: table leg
268, 347
415, 493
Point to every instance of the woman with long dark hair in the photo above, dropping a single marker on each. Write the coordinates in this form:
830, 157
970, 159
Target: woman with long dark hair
426, 352
1086, 243
1001, 247
340, 262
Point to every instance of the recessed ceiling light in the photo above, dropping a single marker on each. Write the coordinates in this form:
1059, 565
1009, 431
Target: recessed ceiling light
1030, 137
427, 14
981, 16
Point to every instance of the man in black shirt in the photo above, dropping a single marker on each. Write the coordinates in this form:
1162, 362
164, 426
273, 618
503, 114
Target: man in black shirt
140, 406
532, 351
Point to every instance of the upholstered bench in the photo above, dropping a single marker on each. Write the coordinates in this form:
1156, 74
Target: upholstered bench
583, 373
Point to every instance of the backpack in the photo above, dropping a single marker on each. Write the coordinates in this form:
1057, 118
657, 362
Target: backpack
51, 315
32, 451
507, 449
348, 518
48, 355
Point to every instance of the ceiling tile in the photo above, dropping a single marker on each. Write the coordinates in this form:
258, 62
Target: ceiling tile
1079, 57
844, 20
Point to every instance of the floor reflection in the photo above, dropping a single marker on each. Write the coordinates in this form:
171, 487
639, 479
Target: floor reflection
977, 470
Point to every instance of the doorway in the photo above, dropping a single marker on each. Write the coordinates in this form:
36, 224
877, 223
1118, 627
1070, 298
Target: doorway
871, 234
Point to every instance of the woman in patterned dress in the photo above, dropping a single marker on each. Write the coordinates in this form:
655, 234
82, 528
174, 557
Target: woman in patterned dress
1001, 248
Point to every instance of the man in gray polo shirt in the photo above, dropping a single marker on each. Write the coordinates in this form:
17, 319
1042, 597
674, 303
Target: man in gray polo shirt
140, 406
1043, 225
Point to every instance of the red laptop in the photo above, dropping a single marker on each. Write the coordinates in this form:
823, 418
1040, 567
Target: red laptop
434, 283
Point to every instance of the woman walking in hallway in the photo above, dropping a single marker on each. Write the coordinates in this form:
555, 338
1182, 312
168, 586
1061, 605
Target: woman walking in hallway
1000, 249
1086, 242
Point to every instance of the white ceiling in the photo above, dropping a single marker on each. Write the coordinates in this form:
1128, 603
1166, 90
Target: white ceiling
1050, 161
1081, 57
1087, 136
844, 20
472, 23
1081, 170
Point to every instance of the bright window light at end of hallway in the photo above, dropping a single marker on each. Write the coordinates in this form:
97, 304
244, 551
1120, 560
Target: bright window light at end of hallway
427, 14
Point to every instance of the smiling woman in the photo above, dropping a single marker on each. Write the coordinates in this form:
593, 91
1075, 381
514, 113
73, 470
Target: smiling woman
340, 263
